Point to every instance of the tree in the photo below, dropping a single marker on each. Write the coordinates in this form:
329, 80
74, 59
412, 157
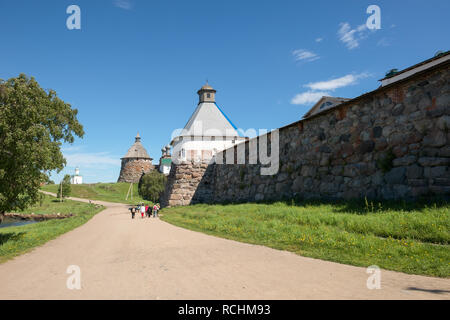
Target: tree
152, 185
49, 181
33, 124
65, 187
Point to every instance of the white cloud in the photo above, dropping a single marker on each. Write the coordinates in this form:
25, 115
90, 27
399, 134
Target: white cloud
351, 37
308, 97
319, 39
383, 42
92, 160
322, 88
123, 4
304, 55
334, 84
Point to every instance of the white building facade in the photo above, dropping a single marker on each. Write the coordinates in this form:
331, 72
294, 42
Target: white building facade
165, 163
207, 132
76, 178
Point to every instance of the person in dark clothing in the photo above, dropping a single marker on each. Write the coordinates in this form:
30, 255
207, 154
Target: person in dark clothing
133, 212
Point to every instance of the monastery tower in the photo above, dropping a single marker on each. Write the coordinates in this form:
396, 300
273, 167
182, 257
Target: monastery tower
207, 132
135, 163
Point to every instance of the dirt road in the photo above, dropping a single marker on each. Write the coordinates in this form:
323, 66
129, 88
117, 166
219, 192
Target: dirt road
121, 258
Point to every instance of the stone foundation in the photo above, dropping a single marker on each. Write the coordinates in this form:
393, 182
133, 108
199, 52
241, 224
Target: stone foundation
133, 169
188, 183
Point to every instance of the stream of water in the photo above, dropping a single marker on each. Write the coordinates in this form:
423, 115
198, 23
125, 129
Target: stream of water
10, 222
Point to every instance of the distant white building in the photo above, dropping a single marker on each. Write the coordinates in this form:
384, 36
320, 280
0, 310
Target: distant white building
394, 75
165, 163
323, 104
207, 132
76, 178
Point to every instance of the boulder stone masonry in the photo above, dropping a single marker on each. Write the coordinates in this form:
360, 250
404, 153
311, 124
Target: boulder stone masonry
390, 143
189, 183
133, 169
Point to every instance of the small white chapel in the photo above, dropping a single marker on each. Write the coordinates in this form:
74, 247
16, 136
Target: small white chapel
76, 178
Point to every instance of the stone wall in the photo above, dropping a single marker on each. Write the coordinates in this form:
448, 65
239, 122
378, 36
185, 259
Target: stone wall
133, 169
387, 144
189, 183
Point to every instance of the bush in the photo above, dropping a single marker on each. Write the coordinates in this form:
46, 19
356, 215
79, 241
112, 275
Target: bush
66, 189
151, 185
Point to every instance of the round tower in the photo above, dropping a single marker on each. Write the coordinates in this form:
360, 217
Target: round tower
135, 163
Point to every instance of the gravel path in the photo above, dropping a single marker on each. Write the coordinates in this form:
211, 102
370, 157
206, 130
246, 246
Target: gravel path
121, 258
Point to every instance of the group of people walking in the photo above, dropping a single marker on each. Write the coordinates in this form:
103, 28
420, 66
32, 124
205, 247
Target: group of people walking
145, 210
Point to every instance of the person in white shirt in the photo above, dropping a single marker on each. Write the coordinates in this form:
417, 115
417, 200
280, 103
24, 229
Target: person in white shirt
142, 210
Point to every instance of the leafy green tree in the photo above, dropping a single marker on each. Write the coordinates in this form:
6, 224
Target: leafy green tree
152, 185
65, 188
49, 181
33, 124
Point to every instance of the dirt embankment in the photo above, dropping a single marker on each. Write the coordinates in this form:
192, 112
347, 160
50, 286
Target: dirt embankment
38, 217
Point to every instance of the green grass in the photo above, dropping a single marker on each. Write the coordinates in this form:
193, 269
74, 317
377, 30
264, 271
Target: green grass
18, 240
110, 192
50, 205
407, 237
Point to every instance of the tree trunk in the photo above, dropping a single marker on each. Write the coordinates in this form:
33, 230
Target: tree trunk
2, 216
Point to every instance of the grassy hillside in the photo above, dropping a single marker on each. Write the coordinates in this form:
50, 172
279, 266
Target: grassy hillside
411, 238
111, 192
18, 240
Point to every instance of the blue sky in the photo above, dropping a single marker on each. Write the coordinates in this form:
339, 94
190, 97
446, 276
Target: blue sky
136, 65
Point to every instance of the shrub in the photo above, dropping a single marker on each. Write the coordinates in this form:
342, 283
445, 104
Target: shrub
66, 189
151, 185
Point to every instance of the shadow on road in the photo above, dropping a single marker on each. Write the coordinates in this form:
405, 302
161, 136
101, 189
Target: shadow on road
435, 291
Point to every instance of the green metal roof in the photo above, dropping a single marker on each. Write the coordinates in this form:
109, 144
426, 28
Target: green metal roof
166, 161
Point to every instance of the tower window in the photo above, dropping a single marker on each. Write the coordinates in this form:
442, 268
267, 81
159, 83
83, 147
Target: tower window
208, 95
